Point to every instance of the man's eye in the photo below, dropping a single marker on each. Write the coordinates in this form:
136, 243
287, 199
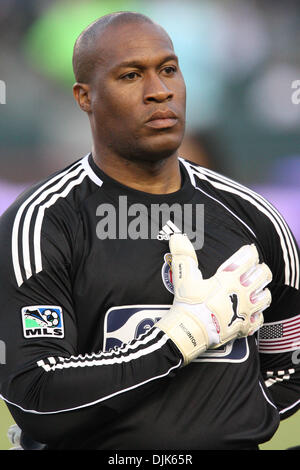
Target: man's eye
130, 76
170, 70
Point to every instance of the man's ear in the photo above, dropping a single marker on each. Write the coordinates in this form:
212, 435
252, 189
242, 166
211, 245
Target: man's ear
81, 92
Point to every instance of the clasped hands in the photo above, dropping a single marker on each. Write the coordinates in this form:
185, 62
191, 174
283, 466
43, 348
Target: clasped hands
207, 313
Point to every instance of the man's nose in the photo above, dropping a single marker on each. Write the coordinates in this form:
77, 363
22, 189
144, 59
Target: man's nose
156, 90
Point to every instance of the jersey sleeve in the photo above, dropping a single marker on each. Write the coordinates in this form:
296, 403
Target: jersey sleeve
49, 388
279, 337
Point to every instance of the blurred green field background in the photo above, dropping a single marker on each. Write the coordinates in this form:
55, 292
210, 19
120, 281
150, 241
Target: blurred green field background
287, 435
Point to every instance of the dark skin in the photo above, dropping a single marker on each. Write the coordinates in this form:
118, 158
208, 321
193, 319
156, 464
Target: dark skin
136, 74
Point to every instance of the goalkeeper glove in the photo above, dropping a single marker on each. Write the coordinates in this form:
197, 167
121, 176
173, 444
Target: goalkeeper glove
209, 313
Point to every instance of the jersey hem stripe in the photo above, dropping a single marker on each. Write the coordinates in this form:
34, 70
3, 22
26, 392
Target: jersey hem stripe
284, 410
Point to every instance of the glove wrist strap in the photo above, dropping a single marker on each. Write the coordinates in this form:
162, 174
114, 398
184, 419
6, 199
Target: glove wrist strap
186, 331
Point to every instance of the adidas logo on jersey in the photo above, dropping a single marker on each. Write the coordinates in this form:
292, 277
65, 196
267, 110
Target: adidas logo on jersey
168, 229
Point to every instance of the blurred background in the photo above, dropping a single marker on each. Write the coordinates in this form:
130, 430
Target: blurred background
241, 63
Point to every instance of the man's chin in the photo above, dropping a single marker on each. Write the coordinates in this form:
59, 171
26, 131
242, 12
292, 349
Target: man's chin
156, 156
156, 151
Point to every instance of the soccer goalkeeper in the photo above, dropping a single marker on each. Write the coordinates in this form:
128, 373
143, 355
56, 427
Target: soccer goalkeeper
109, 344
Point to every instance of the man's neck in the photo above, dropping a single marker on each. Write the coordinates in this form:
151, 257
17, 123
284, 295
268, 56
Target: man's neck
162, 177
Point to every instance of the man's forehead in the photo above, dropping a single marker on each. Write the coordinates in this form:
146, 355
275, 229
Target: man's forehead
132, 42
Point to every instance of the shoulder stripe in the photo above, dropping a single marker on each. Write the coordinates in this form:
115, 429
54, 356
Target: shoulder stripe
291, 258
192, 178
227, 208
41, 209
91, 174
40, 217
30, 215
15, 230
289, 250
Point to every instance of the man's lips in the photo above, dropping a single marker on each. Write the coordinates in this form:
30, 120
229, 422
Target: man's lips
162, 120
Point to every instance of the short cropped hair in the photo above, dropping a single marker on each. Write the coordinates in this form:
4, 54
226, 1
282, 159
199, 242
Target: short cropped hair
84, 48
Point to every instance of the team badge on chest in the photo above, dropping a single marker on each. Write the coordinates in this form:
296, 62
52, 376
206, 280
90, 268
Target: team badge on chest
166, 272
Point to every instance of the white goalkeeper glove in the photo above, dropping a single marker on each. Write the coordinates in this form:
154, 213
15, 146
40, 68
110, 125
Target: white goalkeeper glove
208, 313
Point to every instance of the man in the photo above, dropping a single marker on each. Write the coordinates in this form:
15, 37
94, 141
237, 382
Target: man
121, 333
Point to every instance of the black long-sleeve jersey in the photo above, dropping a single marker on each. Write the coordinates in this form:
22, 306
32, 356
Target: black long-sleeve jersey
85, 274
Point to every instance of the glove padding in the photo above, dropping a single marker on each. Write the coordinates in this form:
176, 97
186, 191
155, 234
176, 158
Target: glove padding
209, 313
